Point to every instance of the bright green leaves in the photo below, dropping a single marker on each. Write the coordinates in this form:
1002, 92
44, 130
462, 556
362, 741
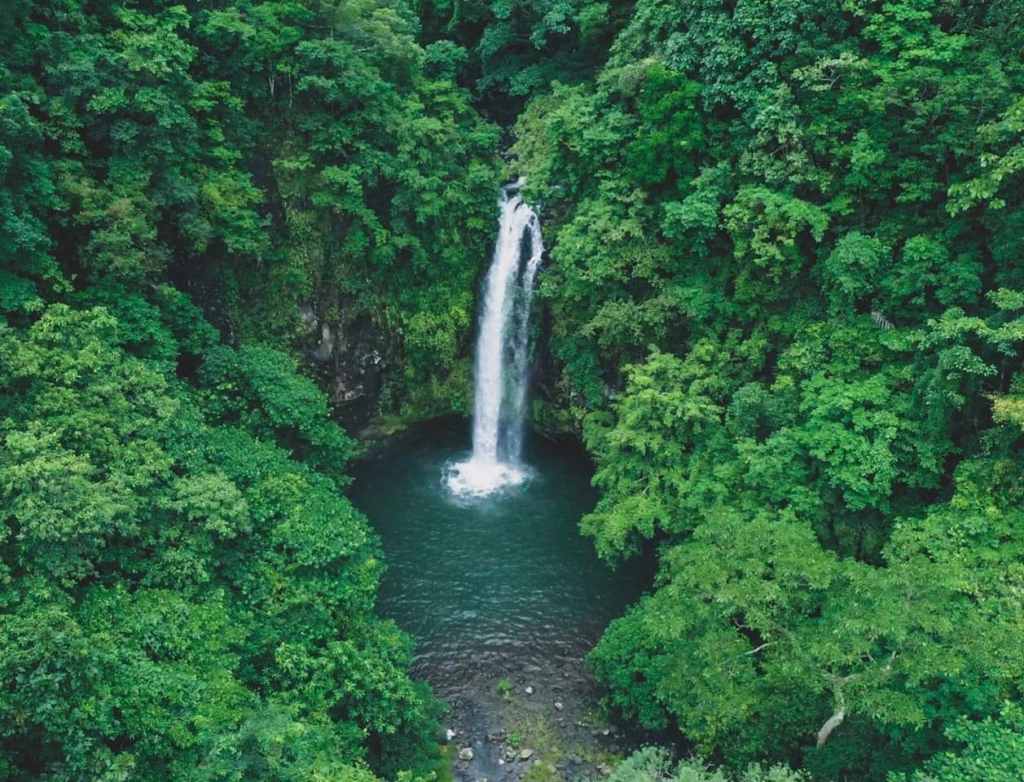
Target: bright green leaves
212, 501
1007, 136
258, 388
791, 607
692, 640
753, 626
671, 135
79, 433
968, 351
168, 555
851, 270
669, 405
148, 669
1009, 408
769, 231
651, 764
993, 751
862, 434
276, 744
862, 273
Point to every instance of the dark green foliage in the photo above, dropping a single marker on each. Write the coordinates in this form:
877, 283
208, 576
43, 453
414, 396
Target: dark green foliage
512, 49
785, 289
785, 303
183, 598
186, 593
265, 154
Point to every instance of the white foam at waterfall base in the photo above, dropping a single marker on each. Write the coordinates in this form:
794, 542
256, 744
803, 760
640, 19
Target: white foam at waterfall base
480, 478
501, 372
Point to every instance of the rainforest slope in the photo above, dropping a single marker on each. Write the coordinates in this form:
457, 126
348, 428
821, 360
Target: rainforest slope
784, 304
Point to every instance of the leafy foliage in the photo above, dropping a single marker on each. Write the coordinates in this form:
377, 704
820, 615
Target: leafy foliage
784, 303
182, 596
785, 296
652, 764
268, 156
993, 750
186, 591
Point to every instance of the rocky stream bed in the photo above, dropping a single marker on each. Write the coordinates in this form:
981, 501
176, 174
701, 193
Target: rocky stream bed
535, 723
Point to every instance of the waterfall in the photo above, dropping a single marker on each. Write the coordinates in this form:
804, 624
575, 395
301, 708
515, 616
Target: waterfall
501, 353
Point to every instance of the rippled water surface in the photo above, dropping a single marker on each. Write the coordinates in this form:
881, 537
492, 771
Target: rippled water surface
495, 583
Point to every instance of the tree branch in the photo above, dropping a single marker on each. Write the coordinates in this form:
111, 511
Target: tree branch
830, 725
755, 651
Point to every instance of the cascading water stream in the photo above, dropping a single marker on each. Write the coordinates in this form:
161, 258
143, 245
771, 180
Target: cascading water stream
521, 344
501, 354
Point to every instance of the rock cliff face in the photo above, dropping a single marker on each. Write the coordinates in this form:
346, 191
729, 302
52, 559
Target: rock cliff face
352, 358
360, 367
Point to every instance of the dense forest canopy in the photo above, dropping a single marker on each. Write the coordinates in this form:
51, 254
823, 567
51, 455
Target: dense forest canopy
784, 304
788, 298
186, 591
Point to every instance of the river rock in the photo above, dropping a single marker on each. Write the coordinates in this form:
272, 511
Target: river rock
576, 760
604, 770
558, 706
466, 753
525, 754
529, 690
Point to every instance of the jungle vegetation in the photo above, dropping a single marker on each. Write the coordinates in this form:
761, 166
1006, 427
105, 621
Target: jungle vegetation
784, 304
